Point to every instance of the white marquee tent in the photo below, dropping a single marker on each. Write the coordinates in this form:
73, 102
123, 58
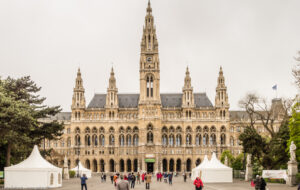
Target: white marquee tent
82, 170
213, 171
33, 173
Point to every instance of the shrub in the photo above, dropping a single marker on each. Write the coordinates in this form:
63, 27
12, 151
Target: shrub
298, 177
72, 174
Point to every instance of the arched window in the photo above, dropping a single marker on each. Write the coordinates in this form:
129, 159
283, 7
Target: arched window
188, 165
77, 140
164, 140
149, 137
112, 165
198, 139
150, 134
188, 139
212, 139
136, 140
178, 140
205, 139
111, 140
121, 140
122, 165
102, 140
95, 140
223, 139
128, 140
231, 141
87, 140
149, 86
171, 140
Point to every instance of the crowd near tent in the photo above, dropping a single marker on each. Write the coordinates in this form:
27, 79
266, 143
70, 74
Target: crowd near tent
212, 171
82, 170
33, 173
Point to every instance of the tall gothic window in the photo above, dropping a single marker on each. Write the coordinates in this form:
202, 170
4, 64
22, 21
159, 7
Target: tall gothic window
149, 86
150, 134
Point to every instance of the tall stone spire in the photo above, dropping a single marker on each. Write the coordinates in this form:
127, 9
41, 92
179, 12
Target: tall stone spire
112, 90
221, 100
149, 63
78, 100
78, 92
188, 96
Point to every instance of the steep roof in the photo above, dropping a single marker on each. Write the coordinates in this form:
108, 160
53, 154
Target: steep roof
167, 100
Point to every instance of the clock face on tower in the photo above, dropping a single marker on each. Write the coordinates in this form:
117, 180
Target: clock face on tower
149, 59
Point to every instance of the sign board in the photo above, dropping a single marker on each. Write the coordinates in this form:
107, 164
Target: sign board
1, 174
150, 156
274, 174
149, 160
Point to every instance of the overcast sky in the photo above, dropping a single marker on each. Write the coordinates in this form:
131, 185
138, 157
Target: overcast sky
254, 40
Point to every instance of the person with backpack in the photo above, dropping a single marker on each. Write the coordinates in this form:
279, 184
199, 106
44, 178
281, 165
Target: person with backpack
198, 183
132, 181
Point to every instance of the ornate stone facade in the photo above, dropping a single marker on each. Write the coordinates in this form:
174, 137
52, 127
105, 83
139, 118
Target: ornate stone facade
148, 130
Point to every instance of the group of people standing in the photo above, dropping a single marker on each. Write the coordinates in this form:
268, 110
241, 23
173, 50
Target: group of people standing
124, 182
168, 177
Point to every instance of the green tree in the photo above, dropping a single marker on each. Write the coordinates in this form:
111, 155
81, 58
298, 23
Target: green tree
229, 157
237, 163
252, 143
21, 111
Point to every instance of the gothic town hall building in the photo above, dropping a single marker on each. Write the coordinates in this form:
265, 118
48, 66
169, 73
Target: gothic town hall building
147, 131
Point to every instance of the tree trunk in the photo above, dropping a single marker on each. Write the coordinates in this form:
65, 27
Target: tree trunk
8, 155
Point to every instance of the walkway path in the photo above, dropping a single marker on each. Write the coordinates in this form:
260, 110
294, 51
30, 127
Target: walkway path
178, 184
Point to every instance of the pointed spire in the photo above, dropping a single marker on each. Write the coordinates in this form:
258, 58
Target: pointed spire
187, 79
149, 9
221, 71
78, 72
112, 79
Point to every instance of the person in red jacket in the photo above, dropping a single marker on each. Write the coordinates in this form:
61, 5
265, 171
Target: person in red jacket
198, 183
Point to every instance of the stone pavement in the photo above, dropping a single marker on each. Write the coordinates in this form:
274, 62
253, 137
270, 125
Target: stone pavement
95, 184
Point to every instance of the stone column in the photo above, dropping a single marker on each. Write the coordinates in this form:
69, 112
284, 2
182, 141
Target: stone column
66, 169
249, 171
292, 166
292, 171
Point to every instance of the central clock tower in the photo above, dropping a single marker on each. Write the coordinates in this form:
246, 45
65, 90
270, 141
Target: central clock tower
149, 63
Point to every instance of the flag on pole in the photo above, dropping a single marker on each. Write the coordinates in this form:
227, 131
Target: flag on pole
274, 87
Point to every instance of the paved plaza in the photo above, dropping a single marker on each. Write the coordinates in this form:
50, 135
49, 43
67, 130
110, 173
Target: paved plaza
95, 184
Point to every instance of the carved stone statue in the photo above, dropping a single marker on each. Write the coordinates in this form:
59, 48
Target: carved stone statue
293, 152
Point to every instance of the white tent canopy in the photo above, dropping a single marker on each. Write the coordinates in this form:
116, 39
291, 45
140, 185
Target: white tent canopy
34, 172
82, 170
212, 171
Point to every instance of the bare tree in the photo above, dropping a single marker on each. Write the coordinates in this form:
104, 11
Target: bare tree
296, 71
259, 111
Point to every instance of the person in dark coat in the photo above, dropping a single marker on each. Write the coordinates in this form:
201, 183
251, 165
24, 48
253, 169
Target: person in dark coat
257, 182
170, 176
133, 178
263, 184
83, 182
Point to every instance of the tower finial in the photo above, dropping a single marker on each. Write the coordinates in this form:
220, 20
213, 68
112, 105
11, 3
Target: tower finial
149, 9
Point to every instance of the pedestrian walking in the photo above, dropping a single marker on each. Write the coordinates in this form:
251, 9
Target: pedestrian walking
104, 177
138, 178
122, 184
83, 182
132, 181
257, 182
148, 180
143, 177
263, 184
184, 177
198, 183
112, 179
170, 176
165, 177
